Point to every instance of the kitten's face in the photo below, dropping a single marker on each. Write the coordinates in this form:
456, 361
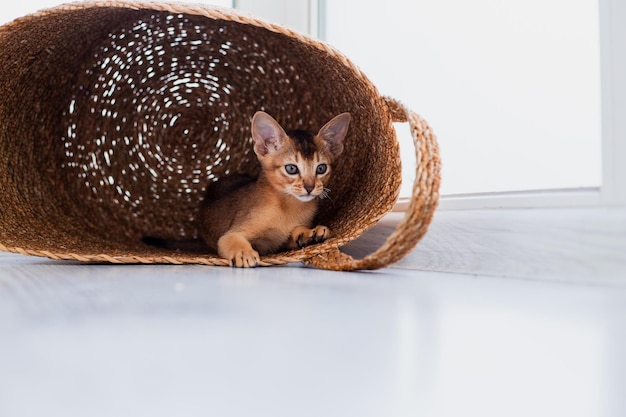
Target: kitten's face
298, 163
302, 168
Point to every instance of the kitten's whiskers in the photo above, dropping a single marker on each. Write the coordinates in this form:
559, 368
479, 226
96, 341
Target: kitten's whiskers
325, 194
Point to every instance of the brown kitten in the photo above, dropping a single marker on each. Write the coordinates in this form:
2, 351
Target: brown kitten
243, 217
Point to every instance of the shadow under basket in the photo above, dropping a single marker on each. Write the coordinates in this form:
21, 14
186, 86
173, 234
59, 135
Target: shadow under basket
114, 117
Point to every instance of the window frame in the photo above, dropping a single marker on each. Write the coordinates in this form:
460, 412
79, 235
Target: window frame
613, 101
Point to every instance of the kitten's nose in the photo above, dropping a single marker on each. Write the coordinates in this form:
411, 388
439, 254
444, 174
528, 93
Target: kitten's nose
309, 188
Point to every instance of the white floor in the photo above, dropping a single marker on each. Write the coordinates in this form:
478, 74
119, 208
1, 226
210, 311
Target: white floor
103, 340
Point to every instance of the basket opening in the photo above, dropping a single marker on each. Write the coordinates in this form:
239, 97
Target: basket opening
119, 118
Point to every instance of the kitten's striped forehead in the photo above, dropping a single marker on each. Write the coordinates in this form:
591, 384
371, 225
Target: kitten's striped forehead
304, 142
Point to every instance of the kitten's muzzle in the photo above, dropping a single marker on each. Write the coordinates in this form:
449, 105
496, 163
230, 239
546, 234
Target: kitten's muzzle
309, 188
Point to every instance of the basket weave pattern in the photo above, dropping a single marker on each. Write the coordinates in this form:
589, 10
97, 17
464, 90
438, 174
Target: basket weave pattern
114, 116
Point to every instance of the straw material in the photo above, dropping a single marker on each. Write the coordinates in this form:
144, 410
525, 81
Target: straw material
114, 117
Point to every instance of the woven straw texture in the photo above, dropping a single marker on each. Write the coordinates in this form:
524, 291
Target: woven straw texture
114, 116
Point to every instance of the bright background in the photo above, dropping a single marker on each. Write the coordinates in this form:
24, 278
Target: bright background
512, 88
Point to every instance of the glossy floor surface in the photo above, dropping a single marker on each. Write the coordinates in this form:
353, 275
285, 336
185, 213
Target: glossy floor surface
102, 340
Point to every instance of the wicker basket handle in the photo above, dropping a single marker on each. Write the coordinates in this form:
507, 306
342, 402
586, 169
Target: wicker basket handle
422, 205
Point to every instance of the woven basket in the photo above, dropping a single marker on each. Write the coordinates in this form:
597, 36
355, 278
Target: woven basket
114, 116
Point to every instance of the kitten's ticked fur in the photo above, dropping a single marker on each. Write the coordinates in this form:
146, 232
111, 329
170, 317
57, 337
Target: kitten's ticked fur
242, 217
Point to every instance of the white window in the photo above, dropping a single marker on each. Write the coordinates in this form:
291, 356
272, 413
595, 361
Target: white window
512, 89
526, 97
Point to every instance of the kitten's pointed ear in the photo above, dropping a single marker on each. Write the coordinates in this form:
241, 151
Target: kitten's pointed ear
267, 134
334, 131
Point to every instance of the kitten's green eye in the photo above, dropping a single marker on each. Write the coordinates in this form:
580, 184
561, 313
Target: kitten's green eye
291, 169
321, 169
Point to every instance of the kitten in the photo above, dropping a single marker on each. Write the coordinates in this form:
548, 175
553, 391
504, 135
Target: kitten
242, 218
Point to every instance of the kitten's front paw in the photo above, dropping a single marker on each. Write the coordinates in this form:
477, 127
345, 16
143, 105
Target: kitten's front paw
244, 258
302, 236
236, 248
